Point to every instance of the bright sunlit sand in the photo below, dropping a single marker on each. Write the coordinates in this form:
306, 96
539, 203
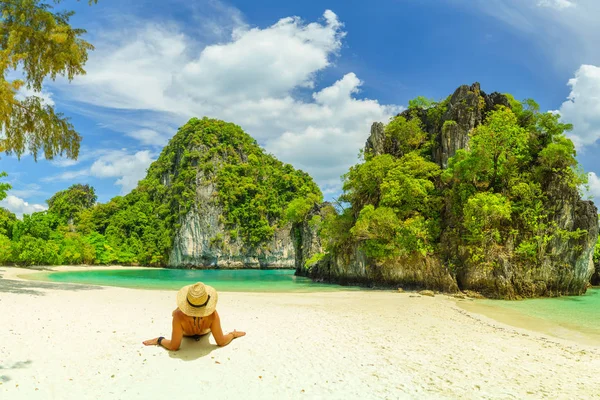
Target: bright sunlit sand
69, 341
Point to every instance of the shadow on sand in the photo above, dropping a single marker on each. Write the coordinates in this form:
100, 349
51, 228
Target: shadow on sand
32, 287
192, 350
17, 365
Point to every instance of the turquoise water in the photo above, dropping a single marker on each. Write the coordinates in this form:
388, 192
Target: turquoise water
173, 279
578, 313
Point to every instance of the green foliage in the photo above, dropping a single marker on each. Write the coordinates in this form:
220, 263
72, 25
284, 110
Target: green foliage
6, 250
448, 124
383, 235
484, 214
335, 231
4, 187
362, 183
41, 225
37, 251
315, 258
408, 187
395, 207
315, 222
421, 102
491, 203
103, 253
67, 203
254, 189
436, 112
596, 256
297, 210
404, 136
7, 221
40, 42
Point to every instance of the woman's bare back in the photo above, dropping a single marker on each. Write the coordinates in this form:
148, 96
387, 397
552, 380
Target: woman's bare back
193, 325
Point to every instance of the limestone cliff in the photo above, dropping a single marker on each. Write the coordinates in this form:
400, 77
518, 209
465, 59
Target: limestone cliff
564, 262
596, 276
225, 198
203, 241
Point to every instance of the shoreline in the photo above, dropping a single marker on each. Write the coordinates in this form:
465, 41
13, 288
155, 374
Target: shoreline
71, 341
492, 313
518, 320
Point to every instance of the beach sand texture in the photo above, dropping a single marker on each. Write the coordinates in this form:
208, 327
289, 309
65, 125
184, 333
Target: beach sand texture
68, 341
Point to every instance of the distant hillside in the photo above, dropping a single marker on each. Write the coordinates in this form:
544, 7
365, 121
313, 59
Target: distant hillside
213, 198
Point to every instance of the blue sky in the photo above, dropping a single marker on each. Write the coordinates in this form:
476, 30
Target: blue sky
306, 79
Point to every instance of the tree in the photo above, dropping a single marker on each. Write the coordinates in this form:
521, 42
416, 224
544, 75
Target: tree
4, 187
38, 42
75, 199
7, 221
421, 102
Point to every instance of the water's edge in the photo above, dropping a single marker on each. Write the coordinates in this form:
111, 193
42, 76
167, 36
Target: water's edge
245, 280
505, 315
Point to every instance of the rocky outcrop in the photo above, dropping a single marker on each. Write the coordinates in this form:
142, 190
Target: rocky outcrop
202, 241
459, 114
596, 276
226, 199
376, 140
566, 266
307, 242
352, 267
467, 109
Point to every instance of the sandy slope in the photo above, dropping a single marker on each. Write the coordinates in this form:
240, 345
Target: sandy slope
67, 341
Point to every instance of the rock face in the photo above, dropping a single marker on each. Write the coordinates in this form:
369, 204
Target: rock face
227, 199
465, 110
566, 266
204, 242
596, 277
307, 242
567, 259
350, 266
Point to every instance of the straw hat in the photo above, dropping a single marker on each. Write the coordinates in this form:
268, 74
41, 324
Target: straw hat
197, 300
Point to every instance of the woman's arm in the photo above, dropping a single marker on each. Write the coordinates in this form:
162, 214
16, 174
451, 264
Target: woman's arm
217, 331
176, 336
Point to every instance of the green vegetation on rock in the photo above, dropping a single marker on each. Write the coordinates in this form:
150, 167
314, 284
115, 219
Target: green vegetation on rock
256, 193
494, 208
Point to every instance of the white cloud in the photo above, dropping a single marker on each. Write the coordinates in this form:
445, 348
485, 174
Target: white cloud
128, 168
327, 144
148, 137
151, 68
19, 206
44, 95
85, 154
557, 4
582, 108
258, 79
27, 190
594, 187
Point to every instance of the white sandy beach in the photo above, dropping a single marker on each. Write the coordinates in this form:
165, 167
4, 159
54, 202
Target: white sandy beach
68, 341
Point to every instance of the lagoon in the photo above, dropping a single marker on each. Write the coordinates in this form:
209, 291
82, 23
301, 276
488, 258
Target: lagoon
247, 280
569, 317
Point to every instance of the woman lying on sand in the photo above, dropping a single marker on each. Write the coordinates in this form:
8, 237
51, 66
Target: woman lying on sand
195, 316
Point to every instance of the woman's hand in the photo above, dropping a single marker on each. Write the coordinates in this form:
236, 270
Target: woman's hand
237, 334
151, 342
